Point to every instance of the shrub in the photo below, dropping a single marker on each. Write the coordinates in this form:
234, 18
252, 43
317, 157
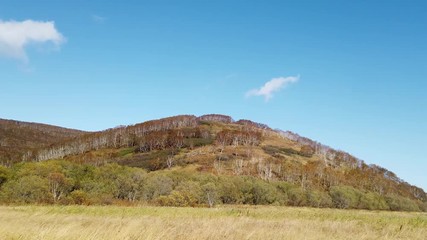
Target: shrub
318, 199
157, 185
230, 192
4, 175
174, 199
398, 203
422, 206
28, 189
282, 192
297, 197
79, 197
210, 194
190, 192
372, 201
345, 197
263, 193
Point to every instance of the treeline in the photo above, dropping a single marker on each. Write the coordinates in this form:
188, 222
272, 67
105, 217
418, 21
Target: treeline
129, 136
315, 175
63, 182
347, 169
17, 138
329, 156
112, 138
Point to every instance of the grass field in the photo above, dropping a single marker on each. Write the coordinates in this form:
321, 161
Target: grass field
234, 222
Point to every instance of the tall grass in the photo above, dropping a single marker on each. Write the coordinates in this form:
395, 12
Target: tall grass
235, 222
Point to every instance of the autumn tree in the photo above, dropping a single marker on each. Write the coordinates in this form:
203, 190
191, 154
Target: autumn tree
58, 184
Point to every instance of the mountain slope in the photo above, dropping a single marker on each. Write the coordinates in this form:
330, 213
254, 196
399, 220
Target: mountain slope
216, 144
18, 138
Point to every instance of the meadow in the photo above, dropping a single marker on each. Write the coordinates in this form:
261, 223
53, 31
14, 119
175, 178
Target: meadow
222, 222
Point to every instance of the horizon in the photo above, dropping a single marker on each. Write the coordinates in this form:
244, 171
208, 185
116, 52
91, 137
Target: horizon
348, 75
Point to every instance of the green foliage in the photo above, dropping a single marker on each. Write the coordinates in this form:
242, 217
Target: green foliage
422, 206
28, 189
159, 144
157, 185
232, 190
263, 193
210, 194
345, 197
398, 203
373, 201
126, 152
297, 197
151, 161
4, 175
277, 151
318, 199
197, 142
187, 193
63, 182
79, 197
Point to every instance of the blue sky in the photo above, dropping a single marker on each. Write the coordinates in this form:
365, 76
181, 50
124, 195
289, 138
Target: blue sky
359, 68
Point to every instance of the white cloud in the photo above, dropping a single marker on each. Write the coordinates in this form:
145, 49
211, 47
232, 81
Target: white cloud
15, 36
274, 85
98, 19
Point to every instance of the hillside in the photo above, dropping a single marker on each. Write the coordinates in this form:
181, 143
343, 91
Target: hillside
17, 138
229, 154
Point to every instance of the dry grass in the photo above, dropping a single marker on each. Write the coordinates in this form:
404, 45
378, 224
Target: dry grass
236, 222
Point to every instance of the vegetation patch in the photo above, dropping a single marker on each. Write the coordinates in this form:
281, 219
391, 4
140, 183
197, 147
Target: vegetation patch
230, 222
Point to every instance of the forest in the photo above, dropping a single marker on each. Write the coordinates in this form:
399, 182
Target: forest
64, 182
193, 161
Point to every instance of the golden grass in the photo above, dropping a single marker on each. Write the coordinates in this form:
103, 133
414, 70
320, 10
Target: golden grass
234, 222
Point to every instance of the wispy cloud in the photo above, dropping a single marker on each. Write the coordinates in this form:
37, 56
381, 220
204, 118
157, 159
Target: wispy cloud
15, 36
98, 19
274, 85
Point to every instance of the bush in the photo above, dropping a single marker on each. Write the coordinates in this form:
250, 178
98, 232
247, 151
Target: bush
157, 185
345, 197
229, 191
190, 191
422, 206
175, 199
28, 189
318, 199
4, 175
79, 197
263, 193
373, 201
297, 197
398, 203
282, 192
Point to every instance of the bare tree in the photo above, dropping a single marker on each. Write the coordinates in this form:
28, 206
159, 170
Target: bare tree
238, 166
170, 161
57, 184
265, 171
218, 166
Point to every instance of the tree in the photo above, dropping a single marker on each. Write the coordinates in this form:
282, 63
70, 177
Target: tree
170, 161
4, 175
28, 189
238, 166
210, 193
157, 185
345, 197
130, 184
58, 184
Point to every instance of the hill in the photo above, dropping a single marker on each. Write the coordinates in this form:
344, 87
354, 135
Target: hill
17, 138
246, 162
